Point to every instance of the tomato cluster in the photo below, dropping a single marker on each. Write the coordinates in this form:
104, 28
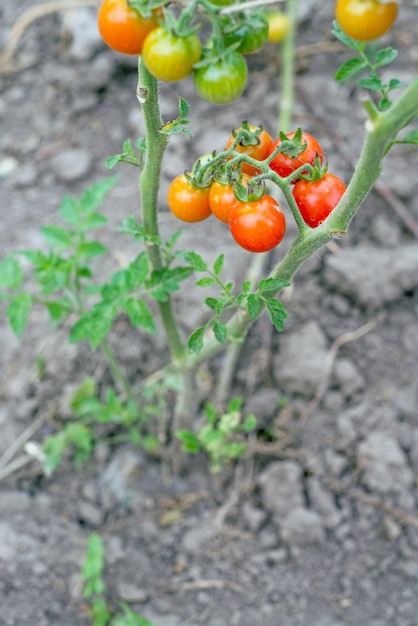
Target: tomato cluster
171, 49
236, 193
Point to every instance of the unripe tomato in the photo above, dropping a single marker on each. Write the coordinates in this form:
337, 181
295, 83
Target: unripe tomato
251, 34
188, 202
365, 19
122, 27
284, 165
222, 198
257, 226
317, 199
168, 57
278, 26
222, 81
258, 151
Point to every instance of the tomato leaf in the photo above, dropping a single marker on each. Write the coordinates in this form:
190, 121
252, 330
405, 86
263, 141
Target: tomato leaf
196, 261
253, 306
218, 265
220, 331
195, 341
272, 284
205, 282
385, 56
139, 314
411, 137
345, 39
11, 274
18, 312
211, 303
90, 249
57, 237
373, 83
349, 69
277, 313
189, 440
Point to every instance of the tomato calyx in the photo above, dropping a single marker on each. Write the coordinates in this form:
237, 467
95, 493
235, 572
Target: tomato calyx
145, 7
246, 135
317, 170
290, 147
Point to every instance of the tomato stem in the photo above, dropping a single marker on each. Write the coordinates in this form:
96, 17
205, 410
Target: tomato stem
156, 143
288, 69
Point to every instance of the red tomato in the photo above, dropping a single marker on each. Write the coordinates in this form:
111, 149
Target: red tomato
317, 199
284, 165
222, 198
188, 202
257, 226
122, 27
259, 150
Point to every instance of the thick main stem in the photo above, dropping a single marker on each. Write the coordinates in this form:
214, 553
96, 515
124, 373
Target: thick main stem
155, 143
288, 69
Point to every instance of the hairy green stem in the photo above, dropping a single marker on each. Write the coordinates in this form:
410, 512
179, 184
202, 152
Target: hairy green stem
288, 69
117, 373
380, 133
155, 143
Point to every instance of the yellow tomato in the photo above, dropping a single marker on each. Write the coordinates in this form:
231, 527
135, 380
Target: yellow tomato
278, 26
365, 19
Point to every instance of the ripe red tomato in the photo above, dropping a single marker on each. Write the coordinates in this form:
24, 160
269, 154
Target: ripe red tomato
259, 150
222, 198
222, 80
188, 202
317, 199
365, 19
168, 57
122, 27
284, 165
257, 226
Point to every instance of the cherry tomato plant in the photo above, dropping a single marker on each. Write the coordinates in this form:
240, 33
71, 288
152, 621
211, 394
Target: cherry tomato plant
236, 184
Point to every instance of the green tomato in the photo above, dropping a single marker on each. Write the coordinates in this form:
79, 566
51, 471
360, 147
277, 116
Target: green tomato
222, 81
251, 34
168, 57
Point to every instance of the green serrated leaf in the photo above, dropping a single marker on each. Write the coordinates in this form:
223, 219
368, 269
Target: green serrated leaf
140, 314
277, 313
349, 69
18, 312
184, 108
211, 303
57, 237
385, 56
189, 440
195, 341
345, 39
394, 83
246, 286
219, 264
11, 274
90, 249
411, 137
205, 282
253, 306
220, 331
374, 84
272, 284
196, 261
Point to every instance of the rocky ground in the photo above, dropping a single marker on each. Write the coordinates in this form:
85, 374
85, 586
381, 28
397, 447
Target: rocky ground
320, 529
